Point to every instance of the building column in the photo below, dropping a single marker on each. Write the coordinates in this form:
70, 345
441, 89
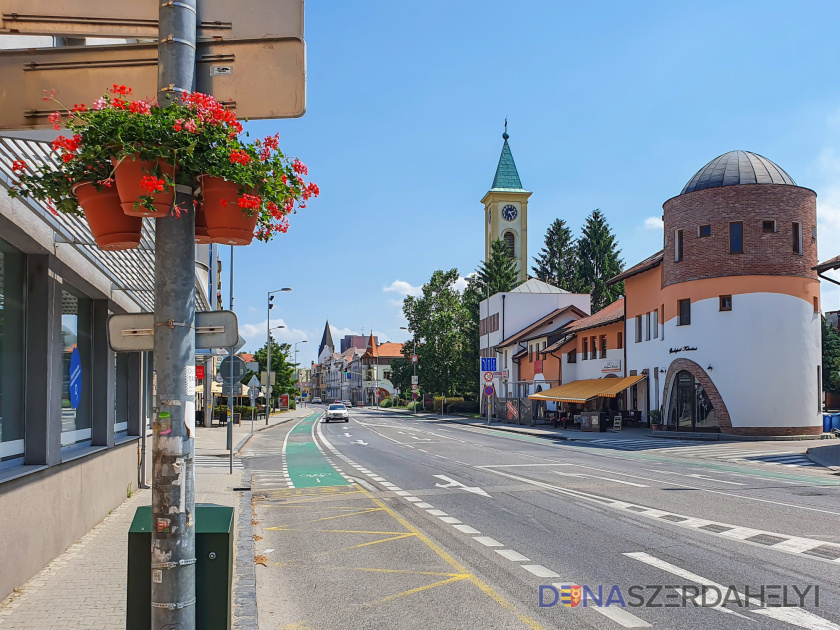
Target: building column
103, 381
43, 363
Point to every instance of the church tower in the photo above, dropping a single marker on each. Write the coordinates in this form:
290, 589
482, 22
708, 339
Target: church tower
506, 211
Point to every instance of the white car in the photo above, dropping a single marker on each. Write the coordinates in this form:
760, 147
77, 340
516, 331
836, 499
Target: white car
316, 401
346, 403
337, 411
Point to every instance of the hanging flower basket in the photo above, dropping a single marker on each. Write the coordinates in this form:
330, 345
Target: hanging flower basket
146, 187
227, 221
111, 228
202, 236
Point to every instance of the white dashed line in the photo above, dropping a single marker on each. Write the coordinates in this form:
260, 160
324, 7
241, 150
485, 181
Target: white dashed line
449, 519
513, 556
466, 529
423, 506
540, 571
437, 513
487, 541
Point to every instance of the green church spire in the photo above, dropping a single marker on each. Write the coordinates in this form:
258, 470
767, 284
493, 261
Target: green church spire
507, 177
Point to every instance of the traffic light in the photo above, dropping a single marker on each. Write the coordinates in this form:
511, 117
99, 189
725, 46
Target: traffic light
270, 302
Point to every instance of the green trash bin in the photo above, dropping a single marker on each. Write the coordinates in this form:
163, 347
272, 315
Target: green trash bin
213, 567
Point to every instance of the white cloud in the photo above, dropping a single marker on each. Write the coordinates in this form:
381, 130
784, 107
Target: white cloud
460, 284
403, 288
653, 223
254, 334
339, 333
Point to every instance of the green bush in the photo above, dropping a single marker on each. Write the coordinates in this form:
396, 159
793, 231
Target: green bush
386, 403
463, 407
415, 405
438, 403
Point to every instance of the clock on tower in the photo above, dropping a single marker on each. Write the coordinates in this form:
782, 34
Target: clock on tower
506, 207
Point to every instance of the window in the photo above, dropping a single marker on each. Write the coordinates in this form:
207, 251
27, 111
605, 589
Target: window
603, 346
585, 348
620, 344
736, 237
704, 230
678, 245
662, 319
726, 302
76, 325
638, 328
571, 356
121, 392
797, 238
684, 309
654, 323
12, 339
387, 375
593, 348
510, 239
768, 226
647, 326
816, 304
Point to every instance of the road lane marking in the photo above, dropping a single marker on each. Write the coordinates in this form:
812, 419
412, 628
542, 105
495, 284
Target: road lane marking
540, 571
696, 476
513, 556
412, 499
621, 616
451, 483
627, 483
466, 529
451, 520
794, 616
437, 513
423, 506
487, 541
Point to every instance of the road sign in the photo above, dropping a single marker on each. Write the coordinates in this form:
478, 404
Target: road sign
239, 368
489, 390
199, 371
504, 373
512, 411
134, 332
237, 388
273, 378
254, 383
415, 388
414, 358
415, 396
235, 72
488, 364
488, 376
415, 380
217, 19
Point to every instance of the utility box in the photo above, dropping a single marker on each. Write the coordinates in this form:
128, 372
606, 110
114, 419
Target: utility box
213, 567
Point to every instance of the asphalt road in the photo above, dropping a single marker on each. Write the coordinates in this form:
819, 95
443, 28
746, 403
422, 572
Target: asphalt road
389, 521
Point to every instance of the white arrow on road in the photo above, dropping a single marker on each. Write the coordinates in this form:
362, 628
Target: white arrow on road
360, 442
451, 483
347, 435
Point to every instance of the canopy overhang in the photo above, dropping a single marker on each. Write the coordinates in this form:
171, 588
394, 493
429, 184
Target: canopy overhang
587, 389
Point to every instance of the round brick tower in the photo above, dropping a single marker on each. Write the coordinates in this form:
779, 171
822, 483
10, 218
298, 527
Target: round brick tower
743, 298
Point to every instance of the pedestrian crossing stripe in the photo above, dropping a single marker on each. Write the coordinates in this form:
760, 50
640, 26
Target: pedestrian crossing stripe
211, 461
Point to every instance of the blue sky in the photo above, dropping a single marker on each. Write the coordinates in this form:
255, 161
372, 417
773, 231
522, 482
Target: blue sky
611, 105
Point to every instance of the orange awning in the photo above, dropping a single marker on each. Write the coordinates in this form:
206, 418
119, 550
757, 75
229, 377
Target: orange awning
586, 389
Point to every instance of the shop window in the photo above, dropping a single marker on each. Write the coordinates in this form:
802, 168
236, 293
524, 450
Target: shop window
12, 350
603, 346
684, 309
120, 392
620, 344
726, 302
797, 238
736, 237
654, 323
704, 230
638, 328
768, 226
678, 245
76, 327
585, 349
689, 405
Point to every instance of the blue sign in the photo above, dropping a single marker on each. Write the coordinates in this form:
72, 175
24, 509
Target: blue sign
489, 390
488, 364
75, 378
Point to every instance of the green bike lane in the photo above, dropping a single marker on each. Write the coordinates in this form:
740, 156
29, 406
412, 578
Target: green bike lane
307, 466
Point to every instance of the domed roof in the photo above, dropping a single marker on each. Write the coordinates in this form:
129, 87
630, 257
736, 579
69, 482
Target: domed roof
737, 167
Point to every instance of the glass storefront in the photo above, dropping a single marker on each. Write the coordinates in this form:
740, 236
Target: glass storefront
120, 392
12, 340
76, 344
689, 406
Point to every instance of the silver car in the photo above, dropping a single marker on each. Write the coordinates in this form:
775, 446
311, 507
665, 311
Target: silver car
337, 411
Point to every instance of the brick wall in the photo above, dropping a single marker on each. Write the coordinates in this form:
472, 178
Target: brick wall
764, 253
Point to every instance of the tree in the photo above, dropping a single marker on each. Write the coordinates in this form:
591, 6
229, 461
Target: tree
498, 273
283, 369
598, 261
557, 262
830, 358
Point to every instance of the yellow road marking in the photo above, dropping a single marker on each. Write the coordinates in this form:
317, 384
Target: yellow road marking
419, 589
326, 518
376, 542
333, 531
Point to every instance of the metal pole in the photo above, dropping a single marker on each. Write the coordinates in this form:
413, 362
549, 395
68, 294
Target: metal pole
414, 363
144, 426
268, 358
173, 440
230, 397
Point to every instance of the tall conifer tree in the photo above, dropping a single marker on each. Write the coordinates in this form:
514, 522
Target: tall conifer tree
598, 261
557, 262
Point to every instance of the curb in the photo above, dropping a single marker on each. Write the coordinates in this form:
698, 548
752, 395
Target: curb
245, 575
244, 440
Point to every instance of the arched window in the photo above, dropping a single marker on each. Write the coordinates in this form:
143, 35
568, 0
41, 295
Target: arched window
510, 239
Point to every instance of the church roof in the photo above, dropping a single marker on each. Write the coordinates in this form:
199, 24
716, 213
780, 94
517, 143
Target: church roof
507, 177
537, 286
326, 340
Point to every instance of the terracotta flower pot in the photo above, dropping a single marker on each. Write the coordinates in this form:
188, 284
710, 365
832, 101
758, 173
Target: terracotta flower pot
128, 174
227, 223
202, 236
111, 228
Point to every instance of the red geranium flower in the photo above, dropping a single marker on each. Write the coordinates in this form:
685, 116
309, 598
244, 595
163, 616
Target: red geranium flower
239, 157
18, 166
152, 184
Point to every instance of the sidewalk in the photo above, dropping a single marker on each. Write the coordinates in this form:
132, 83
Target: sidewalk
85, 587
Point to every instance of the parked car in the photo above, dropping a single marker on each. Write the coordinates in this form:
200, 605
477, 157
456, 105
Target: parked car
337, 411
316, 401
346, 403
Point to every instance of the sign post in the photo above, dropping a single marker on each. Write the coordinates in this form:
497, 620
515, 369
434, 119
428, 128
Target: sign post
253, 390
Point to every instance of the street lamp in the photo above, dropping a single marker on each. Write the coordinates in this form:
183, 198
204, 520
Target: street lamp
297, 372
414, 365
268, 329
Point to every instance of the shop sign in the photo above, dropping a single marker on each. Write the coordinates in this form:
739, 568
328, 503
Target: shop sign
683, 349
611, 365
199, 372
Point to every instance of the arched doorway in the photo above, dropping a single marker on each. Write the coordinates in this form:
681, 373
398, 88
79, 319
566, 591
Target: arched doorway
689, 405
